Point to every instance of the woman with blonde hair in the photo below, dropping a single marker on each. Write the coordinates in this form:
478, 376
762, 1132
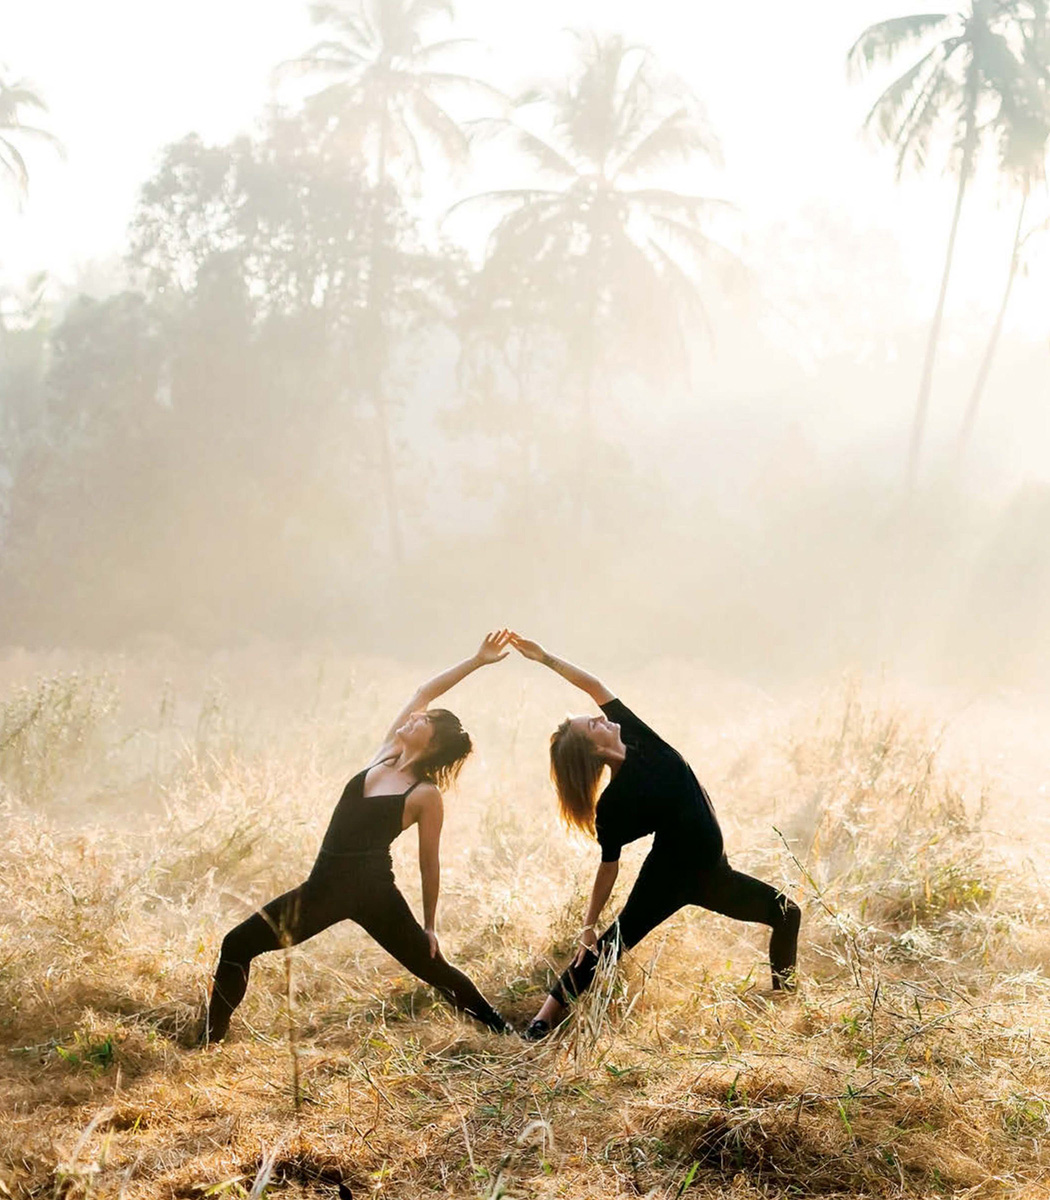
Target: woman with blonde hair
651, 790
353, 877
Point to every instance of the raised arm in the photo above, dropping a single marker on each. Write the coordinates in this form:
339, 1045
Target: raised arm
491, 650
594, 688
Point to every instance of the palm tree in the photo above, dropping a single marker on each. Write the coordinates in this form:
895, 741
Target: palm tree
598, 243
16, 99
384, 106
957, 85
1024, 139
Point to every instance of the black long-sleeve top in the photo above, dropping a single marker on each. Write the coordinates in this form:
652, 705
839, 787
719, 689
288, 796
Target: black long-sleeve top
654, 791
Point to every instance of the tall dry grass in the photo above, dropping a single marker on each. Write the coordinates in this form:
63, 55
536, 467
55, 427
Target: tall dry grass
146, 809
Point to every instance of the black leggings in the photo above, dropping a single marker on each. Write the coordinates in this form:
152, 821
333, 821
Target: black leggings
376, 905
664, 885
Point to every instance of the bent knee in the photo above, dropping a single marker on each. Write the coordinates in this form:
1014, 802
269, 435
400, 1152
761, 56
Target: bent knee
788, 913
236, 947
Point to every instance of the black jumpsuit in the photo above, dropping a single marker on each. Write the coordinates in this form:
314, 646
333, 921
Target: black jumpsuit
655, 791
352, 879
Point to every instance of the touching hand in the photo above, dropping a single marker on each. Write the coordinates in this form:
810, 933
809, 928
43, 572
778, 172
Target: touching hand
493, 648
529, 649
432, 938
588, 942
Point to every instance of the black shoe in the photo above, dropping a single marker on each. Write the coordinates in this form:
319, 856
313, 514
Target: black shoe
536, 1031
208, 1035
199, 1037
786, 981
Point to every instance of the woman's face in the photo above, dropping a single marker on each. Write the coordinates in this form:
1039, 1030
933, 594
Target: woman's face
603, 734
416, 732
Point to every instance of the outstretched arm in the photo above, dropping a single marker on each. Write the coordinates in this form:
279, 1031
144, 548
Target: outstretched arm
594, 688
491, 650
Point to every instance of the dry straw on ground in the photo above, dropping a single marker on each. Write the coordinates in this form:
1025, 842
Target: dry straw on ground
915, 1061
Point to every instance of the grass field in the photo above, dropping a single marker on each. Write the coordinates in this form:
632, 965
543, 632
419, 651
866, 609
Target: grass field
149, 803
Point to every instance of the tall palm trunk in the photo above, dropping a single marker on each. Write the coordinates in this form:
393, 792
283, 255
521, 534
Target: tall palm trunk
378, 351
586, 447
969, 420
922, 404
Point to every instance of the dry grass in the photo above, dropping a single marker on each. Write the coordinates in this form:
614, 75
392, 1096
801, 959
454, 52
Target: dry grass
142, 820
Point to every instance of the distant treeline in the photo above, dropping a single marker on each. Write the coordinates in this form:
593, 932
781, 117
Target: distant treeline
313, 412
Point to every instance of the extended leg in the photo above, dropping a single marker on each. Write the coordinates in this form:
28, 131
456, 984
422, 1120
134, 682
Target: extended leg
390, 921
734, 894
286, 921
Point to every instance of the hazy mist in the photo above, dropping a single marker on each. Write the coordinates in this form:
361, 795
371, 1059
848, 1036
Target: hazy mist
316, 398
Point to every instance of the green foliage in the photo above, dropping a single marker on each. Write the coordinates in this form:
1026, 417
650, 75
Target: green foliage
964, 82
96, 1056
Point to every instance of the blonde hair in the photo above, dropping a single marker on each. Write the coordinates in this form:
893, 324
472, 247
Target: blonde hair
575, 772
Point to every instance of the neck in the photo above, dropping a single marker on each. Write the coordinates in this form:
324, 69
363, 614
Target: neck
615, 756
406, 761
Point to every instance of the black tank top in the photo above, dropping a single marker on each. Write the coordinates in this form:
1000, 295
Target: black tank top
362, 827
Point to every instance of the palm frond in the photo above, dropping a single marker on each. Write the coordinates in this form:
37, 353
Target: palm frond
686, 287
326, 58
1002, 70
916, 137
510, 196
12, 162
880, 44
452, 79
418, 11
436, 49
529, 240
343, 101
692, 207
589, 113
894, 111
16, 96
688, 292
542, 216
439, 127
687, 237
631, 107
675, 138
350, 19
41, 135
543, 156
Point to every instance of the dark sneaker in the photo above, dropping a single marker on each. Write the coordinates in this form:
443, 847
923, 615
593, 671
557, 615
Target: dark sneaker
536, 1031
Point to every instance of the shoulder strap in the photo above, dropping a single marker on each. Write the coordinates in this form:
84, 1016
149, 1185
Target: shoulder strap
378, 762
413, 787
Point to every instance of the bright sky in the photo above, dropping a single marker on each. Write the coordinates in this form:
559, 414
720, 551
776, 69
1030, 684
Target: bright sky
123, 77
